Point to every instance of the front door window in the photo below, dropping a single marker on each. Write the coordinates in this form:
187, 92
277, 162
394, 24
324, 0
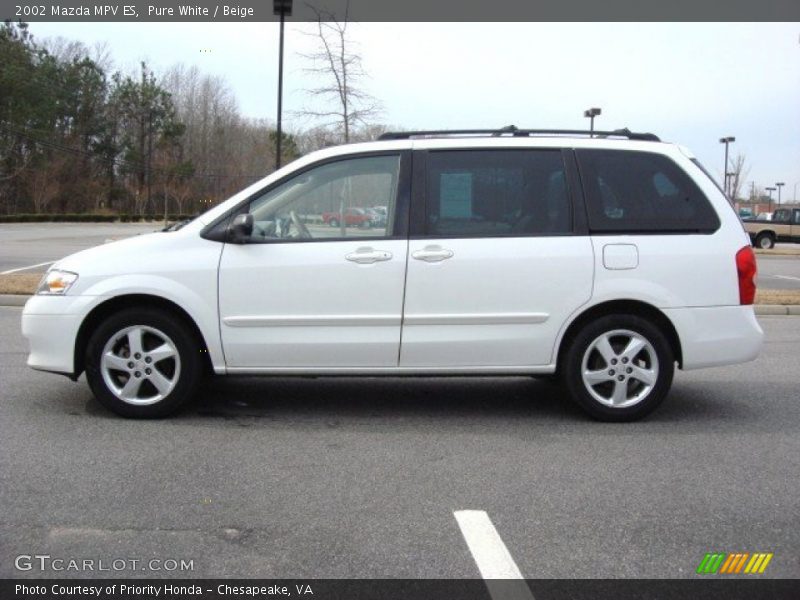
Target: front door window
353, 198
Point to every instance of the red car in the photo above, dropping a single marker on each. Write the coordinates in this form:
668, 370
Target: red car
356, 217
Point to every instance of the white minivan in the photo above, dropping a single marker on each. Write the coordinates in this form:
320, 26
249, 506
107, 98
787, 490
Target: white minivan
604, 259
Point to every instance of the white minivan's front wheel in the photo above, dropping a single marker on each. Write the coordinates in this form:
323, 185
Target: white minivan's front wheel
143, 363
619, 367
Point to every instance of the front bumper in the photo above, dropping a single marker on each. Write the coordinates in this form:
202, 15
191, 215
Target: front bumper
51, 325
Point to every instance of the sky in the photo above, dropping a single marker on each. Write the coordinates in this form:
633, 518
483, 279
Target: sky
690, 83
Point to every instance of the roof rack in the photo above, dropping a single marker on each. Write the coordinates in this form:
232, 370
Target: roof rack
513, 131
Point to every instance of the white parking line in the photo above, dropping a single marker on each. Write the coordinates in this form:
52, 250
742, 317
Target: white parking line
787, 277
492, 557
26, 268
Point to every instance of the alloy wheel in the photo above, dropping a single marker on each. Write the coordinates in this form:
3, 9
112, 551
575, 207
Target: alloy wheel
620, 368
140, 365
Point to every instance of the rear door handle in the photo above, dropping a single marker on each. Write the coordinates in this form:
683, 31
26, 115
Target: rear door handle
432, 254
367, 256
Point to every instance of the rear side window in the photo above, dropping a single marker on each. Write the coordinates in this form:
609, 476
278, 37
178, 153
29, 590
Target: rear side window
642, 192
496, 193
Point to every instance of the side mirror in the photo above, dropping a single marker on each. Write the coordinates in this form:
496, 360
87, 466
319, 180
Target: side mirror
241, 229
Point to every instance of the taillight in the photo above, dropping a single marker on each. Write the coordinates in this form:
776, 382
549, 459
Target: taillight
746, 269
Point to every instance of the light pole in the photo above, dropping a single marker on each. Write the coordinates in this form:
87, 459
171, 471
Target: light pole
729, 177
726, 140
591, 113
282, 8
779, 185
770, 190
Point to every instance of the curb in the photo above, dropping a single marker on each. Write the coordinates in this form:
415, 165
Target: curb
761, 309
778, 253
13, 299
778, 309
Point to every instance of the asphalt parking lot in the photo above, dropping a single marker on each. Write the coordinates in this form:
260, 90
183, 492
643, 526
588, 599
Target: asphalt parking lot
779, 272
345, 478
32, 247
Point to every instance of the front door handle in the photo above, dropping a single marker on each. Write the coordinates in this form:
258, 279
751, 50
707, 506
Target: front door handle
367, 256
432, 254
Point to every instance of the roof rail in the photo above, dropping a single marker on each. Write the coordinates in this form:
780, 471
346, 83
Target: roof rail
513, 131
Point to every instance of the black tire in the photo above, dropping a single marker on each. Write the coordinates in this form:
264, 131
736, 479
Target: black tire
572, 370
183, 373
333, 223
765, 241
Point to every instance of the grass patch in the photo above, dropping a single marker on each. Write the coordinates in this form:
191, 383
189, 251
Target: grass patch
778, 297
19, 283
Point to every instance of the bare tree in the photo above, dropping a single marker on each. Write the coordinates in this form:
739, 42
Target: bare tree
44, 184
223, 150
737, 175
64, 49
315, 138
339, 69
371, 132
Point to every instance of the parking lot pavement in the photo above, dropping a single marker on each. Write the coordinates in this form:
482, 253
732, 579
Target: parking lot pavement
355, 477
779, 272
37, 245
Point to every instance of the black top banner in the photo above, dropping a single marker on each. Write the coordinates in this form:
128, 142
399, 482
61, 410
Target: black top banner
401, 10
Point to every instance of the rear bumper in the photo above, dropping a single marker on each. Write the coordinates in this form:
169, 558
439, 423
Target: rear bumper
717, 336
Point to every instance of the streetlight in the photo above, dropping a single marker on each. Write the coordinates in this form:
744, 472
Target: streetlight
590, 114
726, 140
282, 8
780, 184
770, 190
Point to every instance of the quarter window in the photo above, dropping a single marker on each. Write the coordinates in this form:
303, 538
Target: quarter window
349, 198
642, 192
496, 193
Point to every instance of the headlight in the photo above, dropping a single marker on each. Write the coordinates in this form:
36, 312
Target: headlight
56, 283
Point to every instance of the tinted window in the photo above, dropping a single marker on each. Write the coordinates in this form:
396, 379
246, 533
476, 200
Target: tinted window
642, 192
497, 193
781, 216
330, 201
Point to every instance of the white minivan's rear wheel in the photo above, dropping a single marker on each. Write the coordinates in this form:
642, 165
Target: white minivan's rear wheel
619, 367
143, 363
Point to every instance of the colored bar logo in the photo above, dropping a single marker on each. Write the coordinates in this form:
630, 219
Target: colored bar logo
734, 563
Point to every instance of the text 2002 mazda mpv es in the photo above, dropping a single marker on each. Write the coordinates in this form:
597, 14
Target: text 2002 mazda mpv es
603, 260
